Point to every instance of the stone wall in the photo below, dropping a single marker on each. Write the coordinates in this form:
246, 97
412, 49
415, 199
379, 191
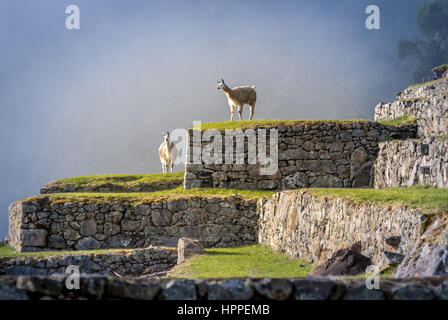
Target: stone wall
112, 187
47, 224
429, 254
314, 227
412, 162
431, 89
321, 154
428, 103
97, 287
125, 263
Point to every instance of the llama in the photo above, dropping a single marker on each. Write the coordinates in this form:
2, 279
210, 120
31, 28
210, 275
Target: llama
167, 153
238, 97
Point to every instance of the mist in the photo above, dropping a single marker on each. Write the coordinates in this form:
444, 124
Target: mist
94, 100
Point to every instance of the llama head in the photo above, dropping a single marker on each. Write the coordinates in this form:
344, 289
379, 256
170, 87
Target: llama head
221, 84
166, 136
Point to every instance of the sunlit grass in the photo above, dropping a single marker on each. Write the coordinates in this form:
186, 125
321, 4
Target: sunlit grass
403, 120
418, 85
140, 197
8, 251
248, 261
246, 124
426, 198
126, 180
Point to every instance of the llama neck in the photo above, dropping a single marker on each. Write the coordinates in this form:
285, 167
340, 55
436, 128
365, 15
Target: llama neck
227, 90
168, 146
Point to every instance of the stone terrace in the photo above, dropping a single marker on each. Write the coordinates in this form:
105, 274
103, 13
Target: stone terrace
310, 154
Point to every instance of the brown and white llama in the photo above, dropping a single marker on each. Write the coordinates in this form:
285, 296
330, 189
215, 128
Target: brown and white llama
167, 153
238, 97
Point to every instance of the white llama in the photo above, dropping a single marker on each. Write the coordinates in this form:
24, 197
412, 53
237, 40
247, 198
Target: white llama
238, 97
167, 153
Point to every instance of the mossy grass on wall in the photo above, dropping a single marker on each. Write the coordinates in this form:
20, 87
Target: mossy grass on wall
428, 199
135, 198
442, 67
418, 85
124, 180
414, 99
8, 251
422, 197
403, 120
249, 261
248, 124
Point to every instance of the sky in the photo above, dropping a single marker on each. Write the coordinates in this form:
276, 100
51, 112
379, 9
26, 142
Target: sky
94, 100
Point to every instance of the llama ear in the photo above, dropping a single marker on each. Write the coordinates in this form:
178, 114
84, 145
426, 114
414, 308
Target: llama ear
222, 80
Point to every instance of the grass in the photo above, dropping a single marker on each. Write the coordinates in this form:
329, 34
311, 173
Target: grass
414, 99
387, 272
249, 261
403, 120
126, 180
163, 195
442, 67
418, 85
8, 251
428, 199
247, 124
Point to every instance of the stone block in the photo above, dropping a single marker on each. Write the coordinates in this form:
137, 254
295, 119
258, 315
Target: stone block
187, 247
33, 238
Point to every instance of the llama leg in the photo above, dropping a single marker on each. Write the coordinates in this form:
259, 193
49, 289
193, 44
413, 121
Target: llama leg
240, 112
251, 107
232, 110
171, 166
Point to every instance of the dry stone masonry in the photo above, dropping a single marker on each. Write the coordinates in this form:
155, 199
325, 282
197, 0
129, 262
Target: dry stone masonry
299, 223
415, 162
314, 227
125, 263
428, 103
44, 224
98, 287
412, 162
320, 154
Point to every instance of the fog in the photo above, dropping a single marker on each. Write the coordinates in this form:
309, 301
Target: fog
94, 100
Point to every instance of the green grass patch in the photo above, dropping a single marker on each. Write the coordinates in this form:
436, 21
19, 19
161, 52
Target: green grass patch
418, 85
427, 199
403, 120
248, 124
414, 99
442, 67
141, 197
249, 261
387, 272
8, 251
125, 180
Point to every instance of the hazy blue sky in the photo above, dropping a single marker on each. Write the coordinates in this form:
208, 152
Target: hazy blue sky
94, 100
